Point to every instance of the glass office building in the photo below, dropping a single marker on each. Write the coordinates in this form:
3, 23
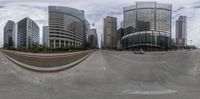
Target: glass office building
147, 26
45, 35
93, 39
27, 33
66, 27
86, 32
9, 31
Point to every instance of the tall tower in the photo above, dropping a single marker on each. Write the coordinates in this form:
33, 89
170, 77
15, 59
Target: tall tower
27, 33
9, 31
66, 27
92, 38
147, 26
110, 32
45, 35
181, 31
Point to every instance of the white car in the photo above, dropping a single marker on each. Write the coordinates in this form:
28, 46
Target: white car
139, 52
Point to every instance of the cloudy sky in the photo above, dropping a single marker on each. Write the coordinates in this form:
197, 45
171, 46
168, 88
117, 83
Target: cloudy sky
95, 11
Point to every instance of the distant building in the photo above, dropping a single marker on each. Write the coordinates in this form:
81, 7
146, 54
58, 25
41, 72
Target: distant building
9, 34
101, 46
15, 35
27, 33
173, 43
181, 31
110, 32
86, 33
122, 24
147, 26
66, 27
120, 34
92, 38
45, 35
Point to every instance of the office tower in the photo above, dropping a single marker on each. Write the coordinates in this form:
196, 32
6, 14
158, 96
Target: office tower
92, 38
27, 33
110, 32
122, 24
15, 35
86, 33
120, 34
181, 31
66, 27
45, 36
9, 32
147, 26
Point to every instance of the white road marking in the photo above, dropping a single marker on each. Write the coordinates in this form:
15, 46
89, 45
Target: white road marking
104, 68
5, 63
168, 91
195, 71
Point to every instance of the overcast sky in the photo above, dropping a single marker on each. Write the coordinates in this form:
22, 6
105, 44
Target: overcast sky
95, 11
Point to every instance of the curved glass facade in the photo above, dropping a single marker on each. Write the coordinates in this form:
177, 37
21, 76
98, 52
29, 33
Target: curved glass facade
147, 26
66, 27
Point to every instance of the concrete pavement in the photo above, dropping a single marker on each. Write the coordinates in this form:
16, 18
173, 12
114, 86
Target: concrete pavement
108, 75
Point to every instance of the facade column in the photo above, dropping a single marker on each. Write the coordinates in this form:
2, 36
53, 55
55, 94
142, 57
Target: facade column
156, 39
59, 43
64, 43
54, 43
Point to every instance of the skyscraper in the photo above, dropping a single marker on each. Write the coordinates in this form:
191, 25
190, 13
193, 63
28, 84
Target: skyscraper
92, 38
15, 35
87, 32
181, 31
9, 34
45, 35
66, 27
120, 34
110, 32
28, 33
147, 26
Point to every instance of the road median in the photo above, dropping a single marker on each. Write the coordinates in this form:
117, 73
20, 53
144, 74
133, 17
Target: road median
46, 62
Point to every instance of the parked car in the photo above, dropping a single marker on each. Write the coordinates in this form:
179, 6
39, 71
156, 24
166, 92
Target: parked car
139, 52
189, 49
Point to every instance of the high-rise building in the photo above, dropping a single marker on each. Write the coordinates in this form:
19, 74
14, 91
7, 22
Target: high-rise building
45, 35
9, 32
92, 38
122, 24
27, 33
86, 34
147, 26
66, 27
181, 31
120, 34
173, 42
101, 46
110, 32
15, 35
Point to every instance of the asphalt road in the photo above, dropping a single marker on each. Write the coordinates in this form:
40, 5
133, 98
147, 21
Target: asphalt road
109, 75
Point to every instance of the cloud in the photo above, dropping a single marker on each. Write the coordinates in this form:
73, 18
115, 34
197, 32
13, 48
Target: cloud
95, 11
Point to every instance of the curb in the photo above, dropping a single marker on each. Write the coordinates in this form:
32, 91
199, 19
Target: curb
47, 69
46, 54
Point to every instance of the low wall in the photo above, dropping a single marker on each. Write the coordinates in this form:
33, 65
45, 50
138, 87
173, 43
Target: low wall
46, 62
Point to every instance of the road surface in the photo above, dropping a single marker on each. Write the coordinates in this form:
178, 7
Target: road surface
109, 75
